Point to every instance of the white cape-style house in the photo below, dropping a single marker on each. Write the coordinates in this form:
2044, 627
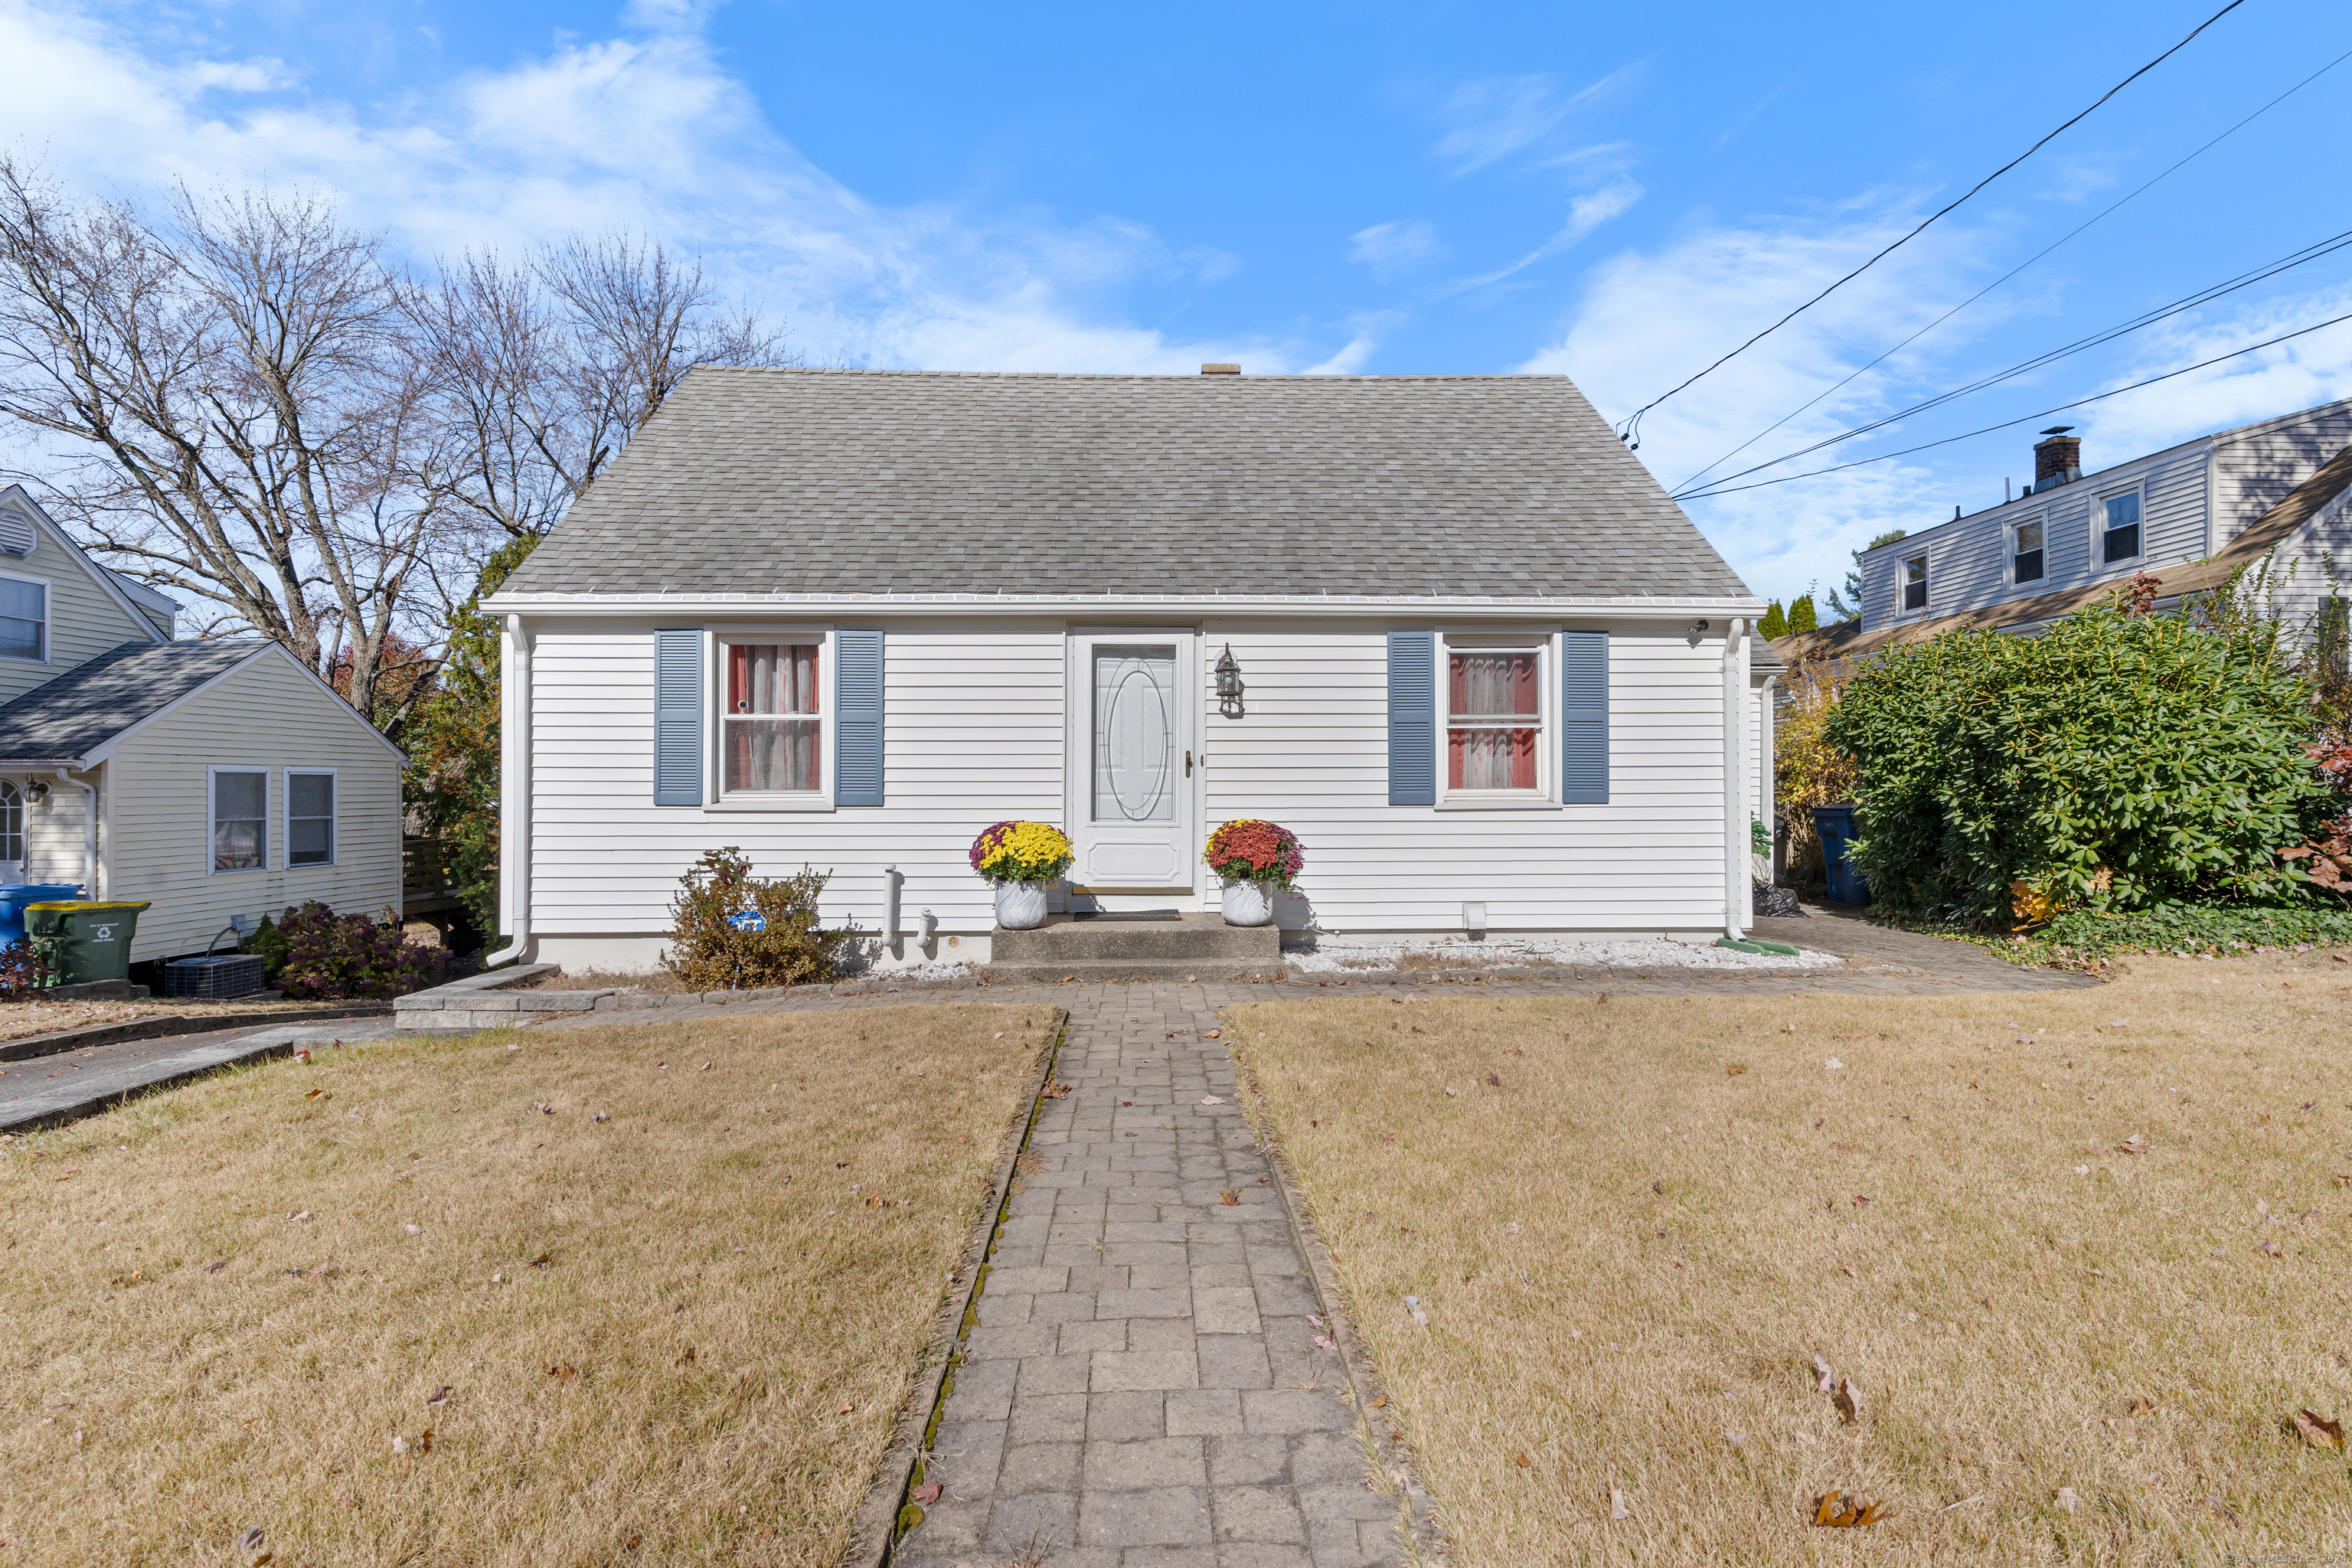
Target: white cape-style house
1488, 673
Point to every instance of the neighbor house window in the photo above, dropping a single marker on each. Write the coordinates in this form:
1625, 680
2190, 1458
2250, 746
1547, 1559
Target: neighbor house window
309, 818
12, 823
2122, 540
1494, 717
240, 820
2026, 557
772, 737
24, 618
1914, 583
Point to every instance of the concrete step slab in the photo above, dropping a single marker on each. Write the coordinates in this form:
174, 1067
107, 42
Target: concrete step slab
1189, 938
1096, 971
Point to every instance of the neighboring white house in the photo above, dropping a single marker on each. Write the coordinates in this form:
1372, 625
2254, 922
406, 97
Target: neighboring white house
2236, 497
210, 777
849, 619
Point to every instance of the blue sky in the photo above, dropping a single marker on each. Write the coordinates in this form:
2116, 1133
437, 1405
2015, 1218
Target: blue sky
1616, 193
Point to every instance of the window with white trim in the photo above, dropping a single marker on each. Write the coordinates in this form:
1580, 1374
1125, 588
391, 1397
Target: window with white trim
309, 817
12, 823
2026, 558
770, 723
240, 820
2120, 540
24, 618
1914, 583
1495, 716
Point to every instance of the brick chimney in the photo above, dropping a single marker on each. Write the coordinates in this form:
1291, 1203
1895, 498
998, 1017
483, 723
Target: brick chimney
2057, 457
1221, 370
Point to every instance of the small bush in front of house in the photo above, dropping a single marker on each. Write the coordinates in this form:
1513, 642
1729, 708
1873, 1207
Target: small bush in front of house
333, 958
2119, 761
22, 968
270, 943
732, 931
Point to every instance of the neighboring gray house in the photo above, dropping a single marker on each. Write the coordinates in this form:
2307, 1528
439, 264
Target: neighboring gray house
2275, 496
847, 619
211, 777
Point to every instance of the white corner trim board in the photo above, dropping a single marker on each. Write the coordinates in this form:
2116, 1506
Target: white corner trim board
1734, 797
514, 796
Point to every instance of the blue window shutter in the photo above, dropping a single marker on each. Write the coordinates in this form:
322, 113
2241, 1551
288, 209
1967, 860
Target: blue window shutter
678, 717
858, 718
1584, 718
1412, 718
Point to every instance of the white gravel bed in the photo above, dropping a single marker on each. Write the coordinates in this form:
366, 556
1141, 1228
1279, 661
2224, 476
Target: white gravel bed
1338, 954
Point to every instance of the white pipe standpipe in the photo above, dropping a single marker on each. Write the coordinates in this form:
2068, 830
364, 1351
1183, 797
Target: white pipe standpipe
892, 880
1736, 849
514, 796
89, 831
1768, 787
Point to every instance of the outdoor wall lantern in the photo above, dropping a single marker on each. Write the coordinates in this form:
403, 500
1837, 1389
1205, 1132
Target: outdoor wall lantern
1229, 684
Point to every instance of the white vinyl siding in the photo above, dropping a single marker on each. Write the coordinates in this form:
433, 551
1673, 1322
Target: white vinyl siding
84, 619
2254, 467
265, 715
973, 726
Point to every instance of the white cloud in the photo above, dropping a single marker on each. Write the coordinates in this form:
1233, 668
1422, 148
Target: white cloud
1368, 330
648, 131
1585, 214
1497, 116
1390, 248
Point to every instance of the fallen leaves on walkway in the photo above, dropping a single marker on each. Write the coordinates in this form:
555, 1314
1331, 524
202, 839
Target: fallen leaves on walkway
1229, 1196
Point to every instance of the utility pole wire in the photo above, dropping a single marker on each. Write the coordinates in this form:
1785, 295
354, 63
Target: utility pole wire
1693, 479
2029, 418
1633, 421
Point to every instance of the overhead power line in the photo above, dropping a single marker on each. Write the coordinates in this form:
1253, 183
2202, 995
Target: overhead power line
1633, 422
2309, 253
2029, 418
2103, 213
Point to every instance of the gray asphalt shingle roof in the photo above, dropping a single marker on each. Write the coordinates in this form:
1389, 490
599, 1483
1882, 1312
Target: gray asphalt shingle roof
915, 482
92, 703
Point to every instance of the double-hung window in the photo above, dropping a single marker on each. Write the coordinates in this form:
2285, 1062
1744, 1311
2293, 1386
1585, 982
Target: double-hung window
24, 618
1494, 716
240, 820
2026, 557
2121, 542
770, 733
1914, 583
309, 817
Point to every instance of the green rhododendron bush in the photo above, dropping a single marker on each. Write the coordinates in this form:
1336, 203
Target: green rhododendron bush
2118, 760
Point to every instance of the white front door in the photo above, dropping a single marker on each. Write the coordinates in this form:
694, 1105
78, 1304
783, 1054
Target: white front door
1134, 727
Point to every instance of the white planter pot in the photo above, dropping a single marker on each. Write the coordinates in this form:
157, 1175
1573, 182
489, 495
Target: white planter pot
1019, 905
1248, 904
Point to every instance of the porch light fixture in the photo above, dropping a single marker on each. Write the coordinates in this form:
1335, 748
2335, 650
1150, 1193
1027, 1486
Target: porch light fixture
1229, 684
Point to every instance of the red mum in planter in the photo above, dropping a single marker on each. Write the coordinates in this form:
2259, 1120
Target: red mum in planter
1249, 850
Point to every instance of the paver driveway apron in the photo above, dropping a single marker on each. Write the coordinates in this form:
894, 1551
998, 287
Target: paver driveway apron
1144, 1385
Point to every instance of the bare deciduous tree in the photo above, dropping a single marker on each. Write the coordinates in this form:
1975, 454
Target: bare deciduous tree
542, 370
241, 411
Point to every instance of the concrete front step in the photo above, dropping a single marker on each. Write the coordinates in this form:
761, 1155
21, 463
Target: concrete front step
1189, 938
1104, 971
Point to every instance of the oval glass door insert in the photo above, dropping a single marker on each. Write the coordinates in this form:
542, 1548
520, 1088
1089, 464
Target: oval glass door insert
1135, 732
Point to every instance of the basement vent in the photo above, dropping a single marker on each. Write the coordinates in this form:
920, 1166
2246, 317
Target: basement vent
16, 536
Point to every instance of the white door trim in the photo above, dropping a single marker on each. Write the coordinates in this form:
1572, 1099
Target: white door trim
1183, 835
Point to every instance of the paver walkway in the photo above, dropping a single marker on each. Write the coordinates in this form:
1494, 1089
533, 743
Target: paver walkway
1144, 1386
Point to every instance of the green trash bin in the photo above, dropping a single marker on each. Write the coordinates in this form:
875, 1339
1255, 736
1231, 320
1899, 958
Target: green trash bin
86, 939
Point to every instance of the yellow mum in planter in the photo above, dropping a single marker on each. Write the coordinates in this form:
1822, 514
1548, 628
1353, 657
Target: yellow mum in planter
1022, 852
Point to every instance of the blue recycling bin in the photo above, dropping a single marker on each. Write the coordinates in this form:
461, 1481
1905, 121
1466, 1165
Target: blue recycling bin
1835, 825
13, 899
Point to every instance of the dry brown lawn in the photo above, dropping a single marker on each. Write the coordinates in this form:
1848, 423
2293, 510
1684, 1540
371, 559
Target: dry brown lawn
672, 1320
1632, 1238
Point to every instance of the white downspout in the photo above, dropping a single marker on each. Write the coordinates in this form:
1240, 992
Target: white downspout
89, 831
1735, 796
1768, 788
514, 796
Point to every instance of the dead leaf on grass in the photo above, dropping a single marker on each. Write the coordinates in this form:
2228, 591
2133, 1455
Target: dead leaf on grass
2067, 1500
440, 1395
2322, 1432
541, 1261
1823, 1378
216, 1266
842, 1410
688, 1358
2144, 1405
2135, 1145
1617, 1509
251, 1540
1838, 1511
1380, 1402
1735, 1070
563, 1372
1523, 1461
1848, 1400
314, 1094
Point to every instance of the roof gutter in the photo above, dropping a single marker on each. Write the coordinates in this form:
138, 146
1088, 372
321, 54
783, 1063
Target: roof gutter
1190, 606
